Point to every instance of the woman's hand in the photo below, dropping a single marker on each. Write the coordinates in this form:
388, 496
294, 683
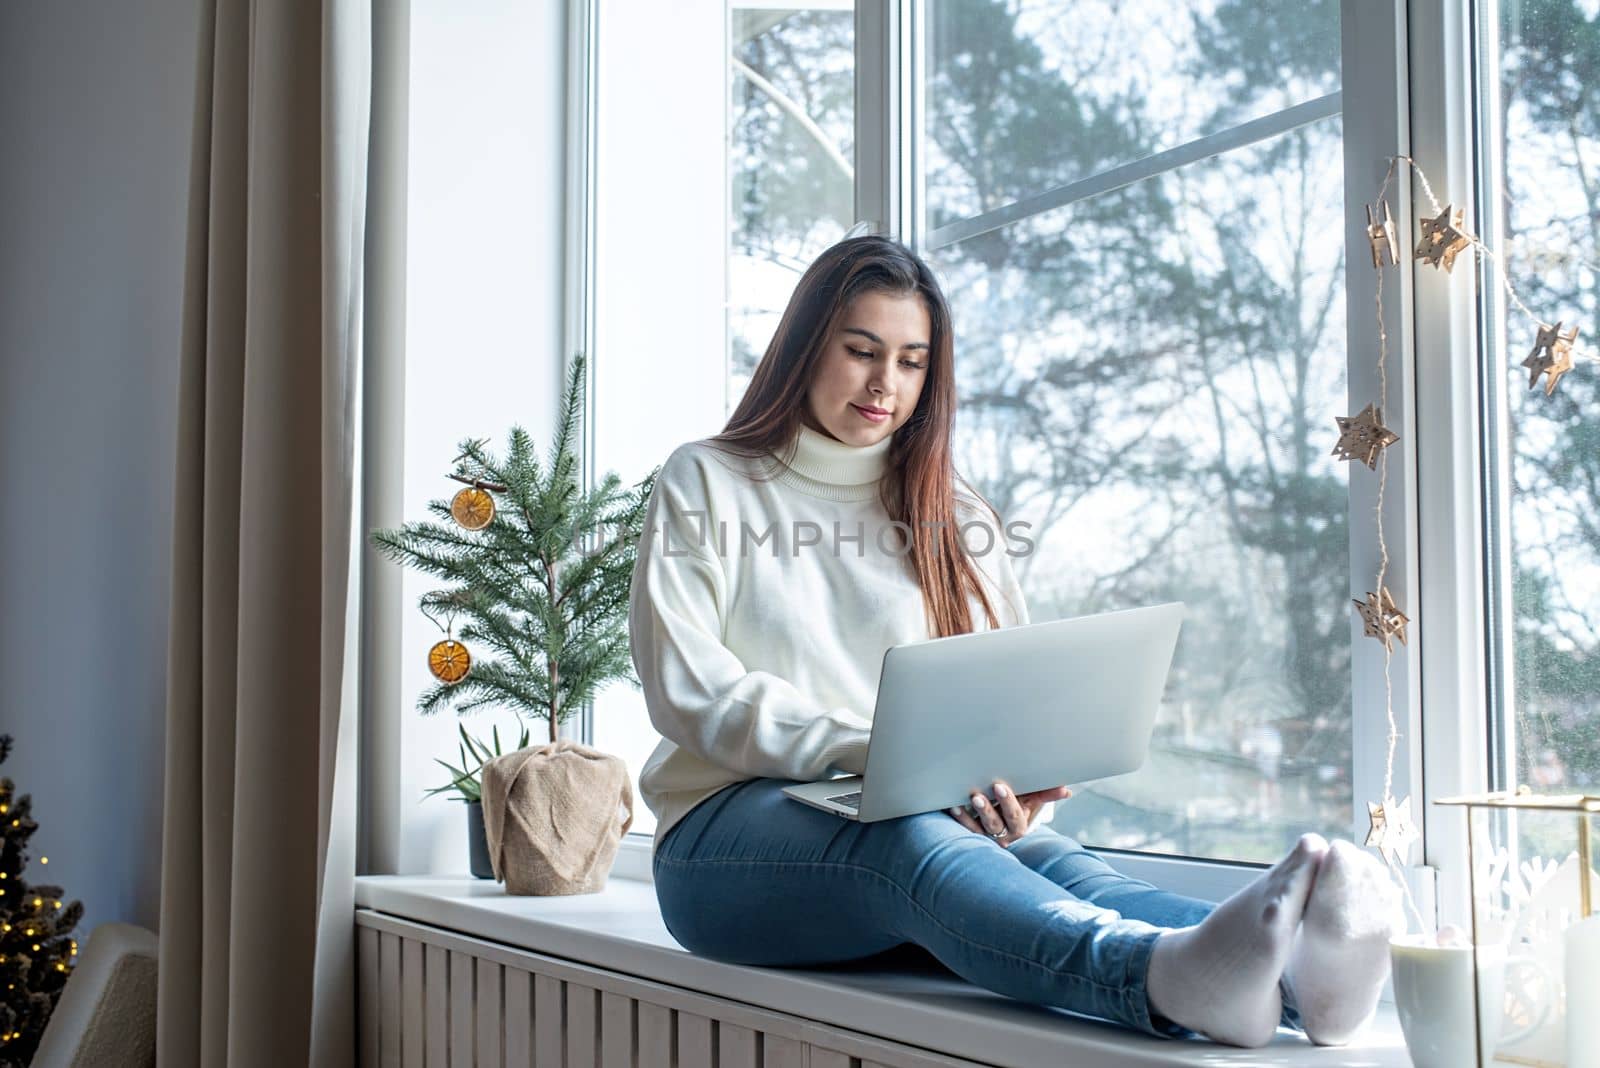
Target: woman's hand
1009, 816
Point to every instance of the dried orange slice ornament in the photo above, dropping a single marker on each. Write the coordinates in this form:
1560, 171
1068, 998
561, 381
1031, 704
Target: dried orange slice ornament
449, 661
472, 507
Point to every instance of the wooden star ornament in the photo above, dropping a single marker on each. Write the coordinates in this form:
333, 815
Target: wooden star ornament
1551, 355
1443, 237
1392, 829
1381, 618
1381, 235
1362, 436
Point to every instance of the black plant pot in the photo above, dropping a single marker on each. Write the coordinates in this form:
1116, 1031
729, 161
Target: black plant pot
478, 841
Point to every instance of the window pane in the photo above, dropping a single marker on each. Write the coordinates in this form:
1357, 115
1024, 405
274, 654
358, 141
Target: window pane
1549, 201
1148, 377
1026, 97
785, 154
790, 158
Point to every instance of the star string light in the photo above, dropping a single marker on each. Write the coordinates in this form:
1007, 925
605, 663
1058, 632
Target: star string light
1392, 829
1551, 355
1381, 619
1446, 228
1362, 436
1444, 237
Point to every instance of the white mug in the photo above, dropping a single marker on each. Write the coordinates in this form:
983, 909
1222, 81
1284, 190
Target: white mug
1433, 998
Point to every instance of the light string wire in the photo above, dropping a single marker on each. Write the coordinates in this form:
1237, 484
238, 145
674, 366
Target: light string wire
1478, 247
1383, 568
1577, 354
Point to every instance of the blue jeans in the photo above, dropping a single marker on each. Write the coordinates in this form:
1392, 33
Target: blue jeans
752, 877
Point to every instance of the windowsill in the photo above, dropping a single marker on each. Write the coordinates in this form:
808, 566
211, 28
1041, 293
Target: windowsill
620, 929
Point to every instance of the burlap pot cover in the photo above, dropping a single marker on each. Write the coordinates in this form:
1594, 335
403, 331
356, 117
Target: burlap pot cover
554, 815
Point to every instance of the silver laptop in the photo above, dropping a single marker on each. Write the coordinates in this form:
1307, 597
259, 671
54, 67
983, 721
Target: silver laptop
1037, 706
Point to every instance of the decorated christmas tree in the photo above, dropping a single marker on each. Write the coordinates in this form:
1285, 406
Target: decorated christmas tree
36, 944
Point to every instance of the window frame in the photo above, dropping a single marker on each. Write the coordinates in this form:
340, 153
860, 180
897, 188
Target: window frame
583, 92
1374, 75
1408, 87
1459, 628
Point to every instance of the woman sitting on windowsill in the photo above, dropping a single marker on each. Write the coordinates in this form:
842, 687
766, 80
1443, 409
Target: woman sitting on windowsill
760, 665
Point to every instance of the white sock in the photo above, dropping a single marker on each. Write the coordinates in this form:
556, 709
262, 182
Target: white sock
1220, 977
1340, 956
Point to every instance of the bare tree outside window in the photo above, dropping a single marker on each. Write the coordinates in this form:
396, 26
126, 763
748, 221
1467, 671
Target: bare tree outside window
1148, 375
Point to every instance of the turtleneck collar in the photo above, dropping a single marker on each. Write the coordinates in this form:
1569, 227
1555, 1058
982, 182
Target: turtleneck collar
852, 471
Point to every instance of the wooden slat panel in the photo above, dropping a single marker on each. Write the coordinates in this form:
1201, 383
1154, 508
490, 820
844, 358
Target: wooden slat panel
412, 1009
491, 1015
389, 1000
436, 991
737, 1046
462, 993
616, 1031
549, 1021
518, 1018
780, 1052
656, 1037
583, 1026
367, 982
697, 1039
827, 1058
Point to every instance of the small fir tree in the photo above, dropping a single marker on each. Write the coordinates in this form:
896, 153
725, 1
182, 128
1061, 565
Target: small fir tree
36, 944
543, 587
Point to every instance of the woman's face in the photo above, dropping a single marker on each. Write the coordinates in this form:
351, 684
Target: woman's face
876, 360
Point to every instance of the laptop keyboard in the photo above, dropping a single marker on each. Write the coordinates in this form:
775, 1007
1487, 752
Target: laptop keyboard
849, 800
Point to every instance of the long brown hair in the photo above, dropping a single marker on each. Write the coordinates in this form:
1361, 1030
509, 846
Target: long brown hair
918, 485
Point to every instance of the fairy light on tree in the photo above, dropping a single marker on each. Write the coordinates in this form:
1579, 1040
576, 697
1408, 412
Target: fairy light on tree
36, 944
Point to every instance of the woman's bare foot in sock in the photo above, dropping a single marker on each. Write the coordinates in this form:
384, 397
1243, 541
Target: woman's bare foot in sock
1220, 977
1340, 956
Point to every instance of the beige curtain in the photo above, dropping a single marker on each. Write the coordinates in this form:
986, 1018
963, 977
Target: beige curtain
258, 859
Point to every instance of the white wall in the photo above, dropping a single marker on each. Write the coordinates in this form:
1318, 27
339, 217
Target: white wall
95, 104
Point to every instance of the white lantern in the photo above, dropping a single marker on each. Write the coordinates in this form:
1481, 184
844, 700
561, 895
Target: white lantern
1534, 934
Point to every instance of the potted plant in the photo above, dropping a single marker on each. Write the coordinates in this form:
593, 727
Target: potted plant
538, 571
468, 782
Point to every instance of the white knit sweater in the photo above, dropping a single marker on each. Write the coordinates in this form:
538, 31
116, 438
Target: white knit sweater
760, 612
